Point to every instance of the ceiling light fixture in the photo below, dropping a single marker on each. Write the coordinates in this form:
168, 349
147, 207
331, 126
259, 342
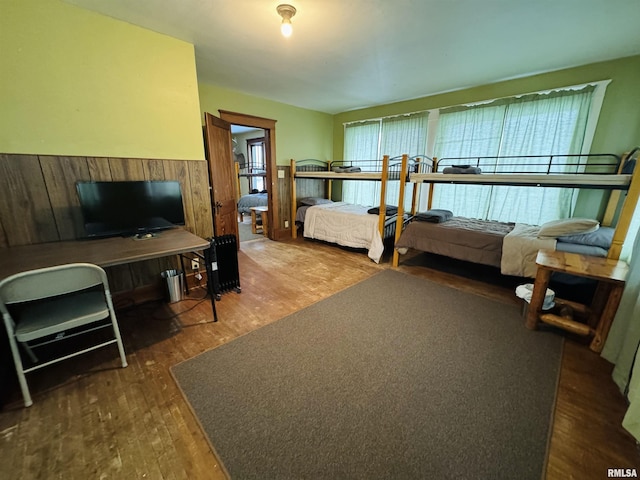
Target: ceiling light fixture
286, 12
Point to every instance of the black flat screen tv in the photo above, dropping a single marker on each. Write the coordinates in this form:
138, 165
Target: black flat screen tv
129, 208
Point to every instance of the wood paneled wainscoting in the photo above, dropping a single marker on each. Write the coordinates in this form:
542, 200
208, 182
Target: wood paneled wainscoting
39, 204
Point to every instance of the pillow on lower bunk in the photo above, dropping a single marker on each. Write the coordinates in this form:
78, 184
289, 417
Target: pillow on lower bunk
600, 238
311, 201
434, 215
591, 250
389, 210
568, 226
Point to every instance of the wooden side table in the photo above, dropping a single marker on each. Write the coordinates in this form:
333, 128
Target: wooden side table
610, 275
263, 211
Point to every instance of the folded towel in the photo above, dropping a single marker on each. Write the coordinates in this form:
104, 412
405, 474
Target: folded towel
346, 169
434, 216
389, 210
464, 169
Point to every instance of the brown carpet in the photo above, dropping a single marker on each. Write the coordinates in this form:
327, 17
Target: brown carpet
395, 377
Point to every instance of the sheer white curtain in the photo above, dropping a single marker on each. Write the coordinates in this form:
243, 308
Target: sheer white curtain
621, 346
392, 136
361, 142
466, 132
402, 135
536, 124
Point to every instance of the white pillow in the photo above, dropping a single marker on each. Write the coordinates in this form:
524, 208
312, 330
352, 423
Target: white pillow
568, 226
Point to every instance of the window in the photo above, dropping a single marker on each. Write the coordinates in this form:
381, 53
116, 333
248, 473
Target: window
537, 124
257, 165
394, 136
555, 122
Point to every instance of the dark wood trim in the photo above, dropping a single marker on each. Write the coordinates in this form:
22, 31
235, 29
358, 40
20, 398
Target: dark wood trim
269, 125
242, 119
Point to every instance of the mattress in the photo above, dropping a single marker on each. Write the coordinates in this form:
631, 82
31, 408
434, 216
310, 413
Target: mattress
469, 239
252, 200
345, 224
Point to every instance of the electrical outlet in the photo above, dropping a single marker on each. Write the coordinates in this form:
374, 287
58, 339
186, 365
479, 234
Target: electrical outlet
195, 264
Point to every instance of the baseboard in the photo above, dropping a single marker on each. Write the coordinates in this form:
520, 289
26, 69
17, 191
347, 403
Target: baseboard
282, 234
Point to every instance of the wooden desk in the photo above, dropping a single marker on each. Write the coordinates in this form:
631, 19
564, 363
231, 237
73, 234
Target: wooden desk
105, 252
611, 276
263, 211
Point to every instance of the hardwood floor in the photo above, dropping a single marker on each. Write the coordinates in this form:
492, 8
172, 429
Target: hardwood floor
91, 419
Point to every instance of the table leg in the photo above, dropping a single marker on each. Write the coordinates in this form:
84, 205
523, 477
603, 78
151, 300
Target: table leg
608, 313
254, 228
184, 275
598, 302
537, 297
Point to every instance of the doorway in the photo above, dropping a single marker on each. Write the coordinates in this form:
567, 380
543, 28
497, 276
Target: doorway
264, 130
249, 150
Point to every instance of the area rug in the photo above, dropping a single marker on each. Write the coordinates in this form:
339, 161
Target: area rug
395, 377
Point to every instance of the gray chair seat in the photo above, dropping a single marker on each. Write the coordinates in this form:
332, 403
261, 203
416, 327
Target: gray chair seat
59, 314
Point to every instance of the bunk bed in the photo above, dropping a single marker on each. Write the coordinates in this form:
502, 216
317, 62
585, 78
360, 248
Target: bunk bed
512, 246
254, 198
345, 224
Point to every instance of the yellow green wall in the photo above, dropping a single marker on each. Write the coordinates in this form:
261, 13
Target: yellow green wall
300, 133
618, 128
73, 82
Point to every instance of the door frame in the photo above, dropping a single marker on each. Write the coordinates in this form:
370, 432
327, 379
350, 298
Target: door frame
235, 118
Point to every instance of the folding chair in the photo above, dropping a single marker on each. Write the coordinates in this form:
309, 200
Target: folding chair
46, 304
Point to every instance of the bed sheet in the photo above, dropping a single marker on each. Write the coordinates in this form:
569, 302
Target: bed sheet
345, 224
468, 239
508, 246
251, 200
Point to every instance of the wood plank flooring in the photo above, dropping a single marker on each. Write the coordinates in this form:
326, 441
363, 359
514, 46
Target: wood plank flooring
91, 419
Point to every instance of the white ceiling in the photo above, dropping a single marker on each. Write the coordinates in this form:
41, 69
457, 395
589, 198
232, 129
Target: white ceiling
348, 54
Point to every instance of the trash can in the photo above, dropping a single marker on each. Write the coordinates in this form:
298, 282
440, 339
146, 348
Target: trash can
526, 291
175, 284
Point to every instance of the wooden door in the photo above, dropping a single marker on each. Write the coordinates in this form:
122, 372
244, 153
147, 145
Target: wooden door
221, 174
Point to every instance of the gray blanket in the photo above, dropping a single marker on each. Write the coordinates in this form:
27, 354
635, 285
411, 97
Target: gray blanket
472, 240
251, 200
434, 216
463, 169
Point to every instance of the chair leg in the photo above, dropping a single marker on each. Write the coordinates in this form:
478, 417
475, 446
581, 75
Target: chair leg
116, 329
22, 380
